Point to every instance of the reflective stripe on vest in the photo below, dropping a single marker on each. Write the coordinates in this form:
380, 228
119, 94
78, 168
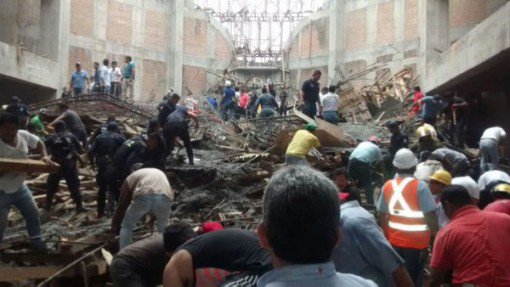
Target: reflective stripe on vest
406, 211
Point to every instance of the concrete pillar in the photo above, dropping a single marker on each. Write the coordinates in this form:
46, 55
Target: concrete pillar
63, 28
336, 39
175, 52
434, 29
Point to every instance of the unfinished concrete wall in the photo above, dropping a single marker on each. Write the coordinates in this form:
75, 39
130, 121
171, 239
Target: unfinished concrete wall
207, 50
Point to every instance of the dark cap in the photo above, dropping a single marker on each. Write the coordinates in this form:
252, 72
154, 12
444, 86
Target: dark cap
112, 126
59, 125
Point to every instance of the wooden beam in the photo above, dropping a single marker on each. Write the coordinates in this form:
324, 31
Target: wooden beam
12, 274
26, 165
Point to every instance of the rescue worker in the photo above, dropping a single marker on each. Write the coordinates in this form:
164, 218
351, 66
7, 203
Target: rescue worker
427, 141
132, 151
17, 108
430, 107
101, 153
268, 104
501, 196
398, 138
103, 128
363, 163
64, 149
227, 102
487, 181
490, 142
302, 142
167, 107
407, 213
438, 181
453, 161
249, 108
73, 123
177, 126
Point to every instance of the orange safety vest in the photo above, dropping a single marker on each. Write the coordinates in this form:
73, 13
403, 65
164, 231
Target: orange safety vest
407, 227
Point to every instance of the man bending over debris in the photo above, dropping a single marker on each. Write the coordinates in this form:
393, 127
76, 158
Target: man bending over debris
73, 123
15, 144
301, 143
144, 190
300, 229
231, 250
167, 107
177, 126
64, 148
268, 104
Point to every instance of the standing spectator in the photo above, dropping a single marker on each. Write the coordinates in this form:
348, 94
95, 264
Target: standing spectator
459, 116
80, 83
284, 95
15, 143
407, 213
473, 246
128, 79
144, 190
430, 107
418, 95
73, 123
227, 102
105, 77
331, 103
310, 95
116, 76
300, 229
17, 108
490, 142
96, 88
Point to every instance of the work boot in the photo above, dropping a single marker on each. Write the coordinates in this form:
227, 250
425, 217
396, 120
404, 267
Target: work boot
79, 207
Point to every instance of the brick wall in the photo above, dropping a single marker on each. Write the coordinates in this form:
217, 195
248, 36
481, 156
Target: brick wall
120, 23
84, 56
465, 13
153, 80
356, 29
194, 78
156, 30
411, 19
195, 37
385, 24
82, 17
223, 49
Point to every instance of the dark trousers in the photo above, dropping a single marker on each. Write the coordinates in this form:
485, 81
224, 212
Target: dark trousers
414, 262
115, 179
125, 275
430, 121
362, 173
173, 130
310, 109
81, 134
283, 106
102, 183
459, 137
69, 172
116, 89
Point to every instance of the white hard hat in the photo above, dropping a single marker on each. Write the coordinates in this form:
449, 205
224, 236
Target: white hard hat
405, 159
470, 184
228, 83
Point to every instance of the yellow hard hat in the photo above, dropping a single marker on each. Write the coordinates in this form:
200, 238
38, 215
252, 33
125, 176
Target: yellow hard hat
442, 176
503, 187
425, 130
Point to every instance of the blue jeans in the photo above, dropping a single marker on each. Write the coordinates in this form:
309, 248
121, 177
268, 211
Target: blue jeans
362, 173
228, 111
78, 91
268, 113
490, 155
310, 109
331, 117
24, 202
414, 262
158, 204
295, 160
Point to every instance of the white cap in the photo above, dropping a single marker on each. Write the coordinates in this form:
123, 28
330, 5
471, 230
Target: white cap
468, 183
405, 159
228, 83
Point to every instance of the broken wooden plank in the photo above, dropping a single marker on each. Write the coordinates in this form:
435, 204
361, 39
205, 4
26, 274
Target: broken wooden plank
26, 165
13, 274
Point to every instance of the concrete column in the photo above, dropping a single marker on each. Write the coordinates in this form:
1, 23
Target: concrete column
337, 20
372, 22
434, 30
63, 28
138, 36
175, 52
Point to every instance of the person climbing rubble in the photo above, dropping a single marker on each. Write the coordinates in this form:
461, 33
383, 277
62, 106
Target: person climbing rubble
177, 126
267, 103
301, 144
227, 103
73, 123
427, 141
490, 142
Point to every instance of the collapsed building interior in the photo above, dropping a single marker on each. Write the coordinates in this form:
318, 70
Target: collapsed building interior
374, 51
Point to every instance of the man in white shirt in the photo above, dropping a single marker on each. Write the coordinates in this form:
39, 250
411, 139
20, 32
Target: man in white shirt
330, 104
105, 77
489, 148
116, 76
15, 144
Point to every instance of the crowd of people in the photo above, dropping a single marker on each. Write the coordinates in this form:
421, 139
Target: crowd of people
316, 230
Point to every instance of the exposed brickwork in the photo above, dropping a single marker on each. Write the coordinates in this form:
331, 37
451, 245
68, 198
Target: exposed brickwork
465, 13
223, 49
305, 43
294, 48
120, 22
156, 30
320, 37
153, 80
195, 37
83, 56
411, 19
82, 17
385, 24
306, 74
194, 78
356, 28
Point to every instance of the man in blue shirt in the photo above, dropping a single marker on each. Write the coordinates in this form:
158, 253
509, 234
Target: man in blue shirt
267, 103
128, 79
227, 103
310, 95
79, 81
430, 107
300, 229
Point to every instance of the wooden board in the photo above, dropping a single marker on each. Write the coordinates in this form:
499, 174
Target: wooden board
25, 165
12, 274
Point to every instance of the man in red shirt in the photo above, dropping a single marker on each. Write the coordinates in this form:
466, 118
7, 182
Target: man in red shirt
473, 246
418, 95
245, 98
501, 195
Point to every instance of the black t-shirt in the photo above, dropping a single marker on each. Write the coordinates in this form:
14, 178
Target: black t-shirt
178, 115
461, 112
229, 249
165, 109
148, 256
61, 145
311, 89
